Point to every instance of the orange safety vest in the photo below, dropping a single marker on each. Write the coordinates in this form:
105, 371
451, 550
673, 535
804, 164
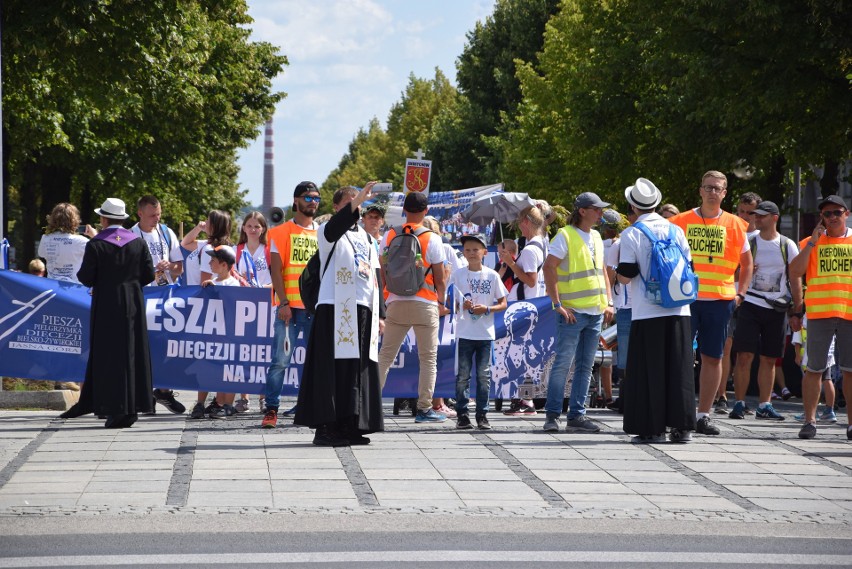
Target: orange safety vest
295, 245
716, 245
427, 291
829, 278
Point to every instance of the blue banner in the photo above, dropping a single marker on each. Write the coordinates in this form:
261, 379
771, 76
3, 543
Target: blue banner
220, 339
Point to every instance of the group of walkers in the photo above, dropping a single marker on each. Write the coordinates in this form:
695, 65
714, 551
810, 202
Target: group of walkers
369, 290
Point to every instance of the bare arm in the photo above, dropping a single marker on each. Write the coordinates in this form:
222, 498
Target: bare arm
188, 241
746, 270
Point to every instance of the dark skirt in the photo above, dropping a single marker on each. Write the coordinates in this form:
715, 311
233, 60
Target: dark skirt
660, 390
339, 391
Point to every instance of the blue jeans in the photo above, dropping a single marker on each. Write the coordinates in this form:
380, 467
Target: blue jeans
301, 322
467, 349
574, 343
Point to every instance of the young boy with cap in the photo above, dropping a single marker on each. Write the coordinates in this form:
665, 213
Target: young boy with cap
222, 261
479, 294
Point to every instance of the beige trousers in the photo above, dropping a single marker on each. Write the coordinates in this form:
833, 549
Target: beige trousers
402, 315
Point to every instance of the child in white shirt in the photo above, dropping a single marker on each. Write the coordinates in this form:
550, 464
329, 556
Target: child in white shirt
479, 294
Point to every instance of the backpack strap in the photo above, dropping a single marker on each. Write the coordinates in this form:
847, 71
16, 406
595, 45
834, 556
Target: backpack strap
166, 237
327, 259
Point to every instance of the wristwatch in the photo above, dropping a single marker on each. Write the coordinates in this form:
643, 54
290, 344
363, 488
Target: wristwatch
610, 303
740, 296
555, 305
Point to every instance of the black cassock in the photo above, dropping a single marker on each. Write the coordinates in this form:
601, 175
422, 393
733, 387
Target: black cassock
117, 264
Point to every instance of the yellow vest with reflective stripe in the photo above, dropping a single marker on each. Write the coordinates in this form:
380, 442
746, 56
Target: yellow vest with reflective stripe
580, 279
829, 278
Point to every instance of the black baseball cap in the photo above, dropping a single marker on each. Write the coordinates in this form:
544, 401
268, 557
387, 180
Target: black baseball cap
767, 208
415, 202
224, 253
304, 188
836, 200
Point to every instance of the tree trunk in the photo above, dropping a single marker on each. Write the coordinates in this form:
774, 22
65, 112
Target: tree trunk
829, 184
30, 224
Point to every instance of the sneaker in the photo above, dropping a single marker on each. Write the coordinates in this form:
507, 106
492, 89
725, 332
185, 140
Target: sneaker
581, 424
800, 417
514, 409
551, 425
198, 411
166, 398
463, 422
527, 409
429, 416
705, 426
648, 439
808, 431
289, 412
230, 410
785, 394
749, 410
446, 411
483, 424
242, 405
849, 433
721, 406
213, 405
679, 436
775, 396
217, 412
827, 416
270, 419
768, 412
738, 412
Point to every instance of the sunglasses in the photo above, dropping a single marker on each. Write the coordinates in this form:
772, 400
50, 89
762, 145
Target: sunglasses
833, 213
311, 199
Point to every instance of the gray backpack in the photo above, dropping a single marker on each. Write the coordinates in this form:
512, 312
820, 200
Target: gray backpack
404, 270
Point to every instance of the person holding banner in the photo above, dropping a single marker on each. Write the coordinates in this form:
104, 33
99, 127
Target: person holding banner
341, 396
116, 264
581, 295
292, 245
62, 247
168, 264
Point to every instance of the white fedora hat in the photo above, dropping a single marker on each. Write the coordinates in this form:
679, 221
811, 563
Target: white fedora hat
643, 194
112, 208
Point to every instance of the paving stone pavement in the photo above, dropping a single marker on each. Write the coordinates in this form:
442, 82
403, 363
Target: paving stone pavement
754, 471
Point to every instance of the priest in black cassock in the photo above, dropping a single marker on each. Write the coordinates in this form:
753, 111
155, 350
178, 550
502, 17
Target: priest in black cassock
116, 264
340, 394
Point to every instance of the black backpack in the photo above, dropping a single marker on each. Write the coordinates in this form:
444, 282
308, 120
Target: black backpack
310, 279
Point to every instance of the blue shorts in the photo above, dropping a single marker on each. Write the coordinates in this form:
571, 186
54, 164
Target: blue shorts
710, 320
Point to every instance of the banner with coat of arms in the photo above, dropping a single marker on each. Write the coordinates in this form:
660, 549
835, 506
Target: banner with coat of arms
417, 174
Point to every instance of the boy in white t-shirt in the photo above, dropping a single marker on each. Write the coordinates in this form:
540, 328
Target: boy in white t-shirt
479, 294
222, 259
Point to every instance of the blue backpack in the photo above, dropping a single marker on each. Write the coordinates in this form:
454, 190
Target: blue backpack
671, 280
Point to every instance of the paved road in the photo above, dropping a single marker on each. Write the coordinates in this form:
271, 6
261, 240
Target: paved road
166, 489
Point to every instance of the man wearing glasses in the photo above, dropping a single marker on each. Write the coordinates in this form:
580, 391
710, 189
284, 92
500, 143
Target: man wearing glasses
292, 244
826, 262
717, 240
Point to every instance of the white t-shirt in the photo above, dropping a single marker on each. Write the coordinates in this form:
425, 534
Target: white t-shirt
158, 245
228, 281
198, 261
453, 258
434, 255
769, 278
636, 248
64, 255
365, 264
621, 298
484, 287
264, 277
531, 260
559, 249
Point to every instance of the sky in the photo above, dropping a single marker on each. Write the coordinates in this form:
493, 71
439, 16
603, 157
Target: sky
349, 62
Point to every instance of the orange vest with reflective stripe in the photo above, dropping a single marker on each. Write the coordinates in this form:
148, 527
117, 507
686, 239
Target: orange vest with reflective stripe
295, 245
427, 291
829, 277
716, 245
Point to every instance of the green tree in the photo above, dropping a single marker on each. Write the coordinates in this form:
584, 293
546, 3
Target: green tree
670, 89
123, 98
464, 142
378, 154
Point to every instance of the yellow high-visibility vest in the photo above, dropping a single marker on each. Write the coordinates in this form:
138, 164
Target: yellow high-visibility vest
580, 278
